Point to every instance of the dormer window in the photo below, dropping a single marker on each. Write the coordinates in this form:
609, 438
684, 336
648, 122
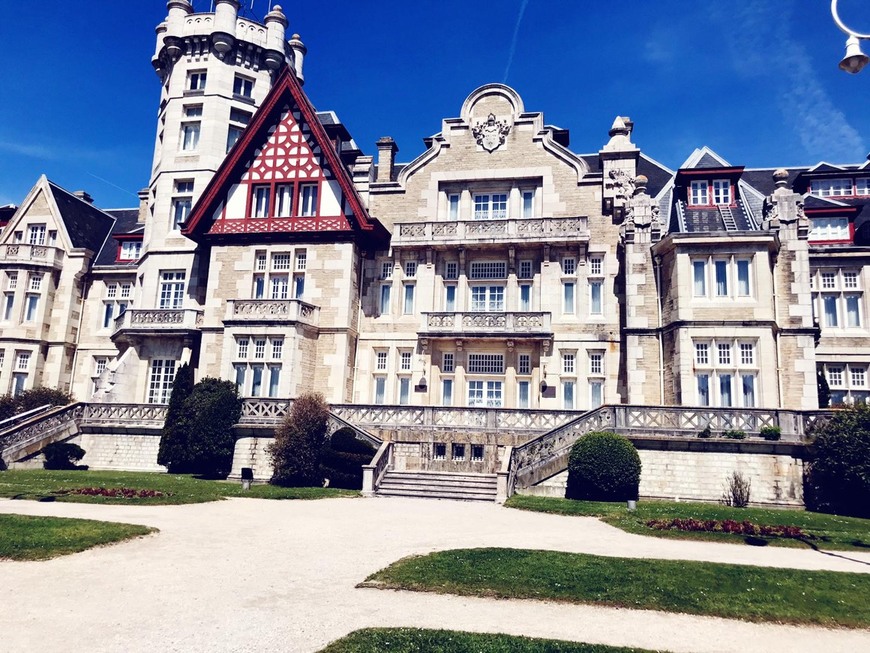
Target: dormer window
701, 192
862, 186
830, 229
831, 187
131, 250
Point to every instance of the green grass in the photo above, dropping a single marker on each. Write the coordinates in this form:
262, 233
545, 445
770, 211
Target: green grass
43, 485
39, 538
733, 591
413, 640
830, 531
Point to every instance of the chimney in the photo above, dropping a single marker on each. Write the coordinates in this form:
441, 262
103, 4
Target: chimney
143, 206
84, 196
387, 149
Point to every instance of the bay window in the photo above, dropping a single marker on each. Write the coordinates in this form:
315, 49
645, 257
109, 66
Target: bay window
838, 297
726, 373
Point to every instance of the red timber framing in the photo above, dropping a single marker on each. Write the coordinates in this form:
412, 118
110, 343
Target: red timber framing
281, 164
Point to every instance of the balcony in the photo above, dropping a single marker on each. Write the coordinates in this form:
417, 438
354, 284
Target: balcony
481, 325
38, 255
271, 311
527, 230
156, 321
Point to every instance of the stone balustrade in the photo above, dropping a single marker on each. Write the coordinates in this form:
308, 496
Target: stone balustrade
38, 255
499, 323
532, 230
272, 310
144, 321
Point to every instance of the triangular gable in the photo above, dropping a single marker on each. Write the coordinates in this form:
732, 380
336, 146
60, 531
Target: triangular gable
704, 158
823, 166
285, 142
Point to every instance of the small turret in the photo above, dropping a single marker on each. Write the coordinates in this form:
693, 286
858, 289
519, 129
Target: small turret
276, 25
178, 11
299, 51
225, 14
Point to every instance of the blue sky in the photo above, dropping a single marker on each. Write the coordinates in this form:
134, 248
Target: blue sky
756, 80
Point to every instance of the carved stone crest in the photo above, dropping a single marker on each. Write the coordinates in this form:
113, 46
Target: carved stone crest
490, 133
622, 184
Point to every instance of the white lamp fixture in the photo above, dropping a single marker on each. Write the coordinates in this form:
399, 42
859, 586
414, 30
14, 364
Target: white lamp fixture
854, 60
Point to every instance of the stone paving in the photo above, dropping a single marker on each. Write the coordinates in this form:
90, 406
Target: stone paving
247, 574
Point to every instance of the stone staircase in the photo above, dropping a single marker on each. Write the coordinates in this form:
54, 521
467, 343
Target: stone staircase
438, 485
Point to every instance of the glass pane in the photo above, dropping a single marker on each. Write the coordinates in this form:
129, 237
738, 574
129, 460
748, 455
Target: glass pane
725, 390
596, 394
450, 299
830, 302
743, 278
447, 392
699, 269
853, 318
748, 390
721, 278
595, 298
523, 394
703, 390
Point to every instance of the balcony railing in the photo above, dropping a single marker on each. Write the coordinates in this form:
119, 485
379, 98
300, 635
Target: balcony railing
34, 254
272, 310
157, 320
454, 324
525, 229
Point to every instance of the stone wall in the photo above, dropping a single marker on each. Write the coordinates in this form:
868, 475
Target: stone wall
702, 476
135, 453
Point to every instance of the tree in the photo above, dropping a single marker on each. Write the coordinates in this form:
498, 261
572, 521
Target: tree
342, 459
837, 479
30, 399
173, 441
603, 466
299, 440
823, 389
212, 409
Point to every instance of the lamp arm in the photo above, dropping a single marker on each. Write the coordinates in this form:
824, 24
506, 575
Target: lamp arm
839, 21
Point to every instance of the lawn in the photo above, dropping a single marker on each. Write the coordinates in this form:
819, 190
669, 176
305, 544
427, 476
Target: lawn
413, 640
733, 591
830, 531
42, 485
39, 538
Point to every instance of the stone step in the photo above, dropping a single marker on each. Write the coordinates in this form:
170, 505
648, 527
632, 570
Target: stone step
436, 494
439, 485
418, 482
443, 476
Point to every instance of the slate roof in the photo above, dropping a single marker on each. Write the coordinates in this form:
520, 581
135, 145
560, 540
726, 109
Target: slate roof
88, 226
709, 161
125, 223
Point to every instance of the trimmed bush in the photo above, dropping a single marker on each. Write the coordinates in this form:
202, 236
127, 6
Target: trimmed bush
173, 452
603, 466
734, 434
63, 455
707, 432
771, 433
837, 480
342, 459
299, 441
213, 408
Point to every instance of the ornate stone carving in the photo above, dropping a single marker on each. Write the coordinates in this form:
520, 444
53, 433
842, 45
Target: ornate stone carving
490, 133
622, 183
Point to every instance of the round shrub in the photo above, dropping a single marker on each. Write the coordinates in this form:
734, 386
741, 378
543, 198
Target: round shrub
63, 455
342, 459
603, 466
837, 480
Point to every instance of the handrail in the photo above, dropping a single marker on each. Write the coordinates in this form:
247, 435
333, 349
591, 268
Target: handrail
40, 427
9, 422
374, 472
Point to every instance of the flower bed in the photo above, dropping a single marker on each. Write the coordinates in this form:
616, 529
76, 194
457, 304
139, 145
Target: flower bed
730, 526
114, 492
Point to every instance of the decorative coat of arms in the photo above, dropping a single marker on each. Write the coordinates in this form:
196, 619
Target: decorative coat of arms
490, 133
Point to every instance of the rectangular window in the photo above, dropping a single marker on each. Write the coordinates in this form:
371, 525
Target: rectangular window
241, 371
450, 298
260, 261
238, 121
100, 364
528, 203
596, 393
8, 304
747, 382
703, 381
829, 280
702, 353
234, 133
699, 272
699, 193
721, 271
260, 201
274, 380
277, 348
568, 363
830, 305
281, 262
489, 270
32, 307
131, 250
410, 269
853, 315
595, 307
22, 361
596, 363
279, 286
747, 353
35, 282
569, 265
858, 376
243, 86
447, 392
524, 364
381, 361
405, 361
487, 299
387, 270
829, 229
301, 260
596, 266
256, 380
862, 186
180, 211
380, 390
724, 353
308, 200
385, 300
189, 136
525, 271
260, 348
525, 297
36, 234
284, 200
835, 376
408, 308
486, 363
161, 376
457, 451
439, 451
523, 394
196, 80
568, 298
404, 390
728, 382
298, 285
725, 391
447, 362
242, 347
568, 395
19, 382
11, 280
743, 287
451, 270
171, 291
476, 452
721, 191
831, 187
453, 207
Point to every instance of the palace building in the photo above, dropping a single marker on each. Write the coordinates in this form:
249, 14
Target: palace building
501, 268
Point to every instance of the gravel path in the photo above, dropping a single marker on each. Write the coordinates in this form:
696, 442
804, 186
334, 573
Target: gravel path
248, 574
